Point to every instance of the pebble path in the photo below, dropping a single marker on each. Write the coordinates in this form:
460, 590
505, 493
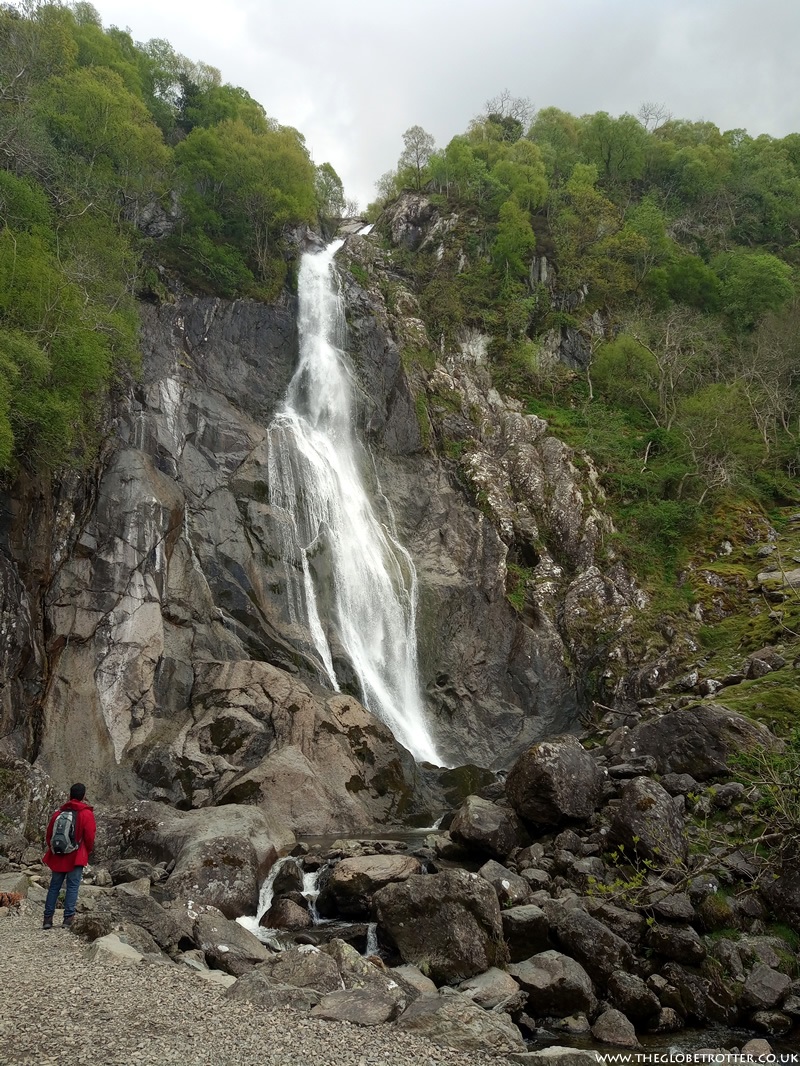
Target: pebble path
60, 1008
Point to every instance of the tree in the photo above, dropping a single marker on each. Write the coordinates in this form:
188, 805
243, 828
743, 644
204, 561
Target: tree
329, 191
514, 243
616, 145
414, 159
504, 106
753, 283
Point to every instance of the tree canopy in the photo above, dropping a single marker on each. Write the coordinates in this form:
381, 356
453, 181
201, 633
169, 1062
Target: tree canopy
98, 135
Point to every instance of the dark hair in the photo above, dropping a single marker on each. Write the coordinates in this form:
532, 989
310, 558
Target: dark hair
77, 792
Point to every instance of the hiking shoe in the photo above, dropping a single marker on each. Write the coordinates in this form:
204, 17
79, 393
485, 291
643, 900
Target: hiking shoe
47, 923
68, 921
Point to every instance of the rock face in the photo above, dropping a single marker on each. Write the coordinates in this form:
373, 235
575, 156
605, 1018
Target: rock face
151, 637
447, 924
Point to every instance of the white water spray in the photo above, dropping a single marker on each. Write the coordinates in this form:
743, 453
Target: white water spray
343, 565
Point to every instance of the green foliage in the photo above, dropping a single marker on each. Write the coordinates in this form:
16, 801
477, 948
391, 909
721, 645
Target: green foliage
97, 131
751, 285
775, 776
517, 578
514, 242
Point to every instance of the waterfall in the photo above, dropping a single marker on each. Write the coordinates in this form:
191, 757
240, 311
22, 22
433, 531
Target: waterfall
265, 897
311, 879
372, 947
348, 578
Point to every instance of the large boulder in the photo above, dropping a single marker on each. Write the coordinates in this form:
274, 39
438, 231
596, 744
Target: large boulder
227, 945
455, 1021
484, 827
303, 966
354, 881
647, 823
697, 740
600, 951
629, 994
359, 1006
221, 855
556, 985
525, 930
783, 896
511, 889
494, 990
172, 929
258, 988
555, 781
447, 924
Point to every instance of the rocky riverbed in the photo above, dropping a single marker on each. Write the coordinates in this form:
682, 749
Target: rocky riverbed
611, 890
64, 1002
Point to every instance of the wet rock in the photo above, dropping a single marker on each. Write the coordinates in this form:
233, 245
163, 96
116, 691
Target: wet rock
486, 828
286, 914
227, 945
647, 823
354, 881
666, 1021
288, 879
447, 924
555, 983
554, 781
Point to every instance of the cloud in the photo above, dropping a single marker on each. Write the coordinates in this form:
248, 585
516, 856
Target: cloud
352, 75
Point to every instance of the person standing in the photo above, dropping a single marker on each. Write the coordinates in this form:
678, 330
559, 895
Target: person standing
69, 864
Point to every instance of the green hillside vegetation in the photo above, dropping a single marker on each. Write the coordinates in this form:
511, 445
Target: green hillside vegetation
675, 249
99, 136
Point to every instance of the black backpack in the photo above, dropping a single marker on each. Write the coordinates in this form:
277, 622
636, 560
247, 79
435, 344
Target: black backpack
64, 838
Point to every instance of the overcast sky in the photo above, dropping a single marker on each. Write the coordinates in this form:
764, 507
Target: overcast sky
352, 75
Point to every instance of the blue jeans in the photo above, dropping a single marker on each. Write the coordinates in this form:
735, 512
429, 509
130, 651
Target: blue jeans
70, 896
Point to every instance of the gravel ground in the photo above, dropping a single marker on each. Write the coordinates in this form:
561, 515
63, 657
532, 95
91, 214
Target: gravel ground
60, 1009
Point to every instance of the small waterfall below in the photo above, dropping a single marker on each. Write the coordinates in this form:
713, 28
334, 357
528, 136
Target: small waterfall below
265, 898
372, 940
349, 579
311, 880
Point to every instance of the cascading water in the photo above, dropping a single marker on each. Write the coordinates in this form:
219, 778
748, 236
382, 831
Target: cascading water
343, 564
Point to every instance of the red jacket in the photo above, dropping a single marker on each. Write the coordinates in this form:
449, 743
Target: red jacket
85, 829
